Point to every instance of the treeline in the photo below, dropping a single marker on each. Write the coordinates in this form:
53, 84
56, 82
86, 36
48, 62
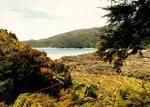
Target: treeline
84, 38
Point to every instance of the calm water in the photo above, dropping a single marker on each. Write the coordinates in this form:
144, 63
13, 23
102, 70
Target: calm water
56, 53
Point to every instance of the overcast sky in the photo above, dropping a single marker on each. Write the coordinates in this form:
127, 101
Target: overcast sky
36, 19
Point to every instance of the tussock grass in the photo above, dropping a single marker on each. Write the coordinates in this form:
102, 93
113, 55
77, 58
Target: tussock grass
129, 88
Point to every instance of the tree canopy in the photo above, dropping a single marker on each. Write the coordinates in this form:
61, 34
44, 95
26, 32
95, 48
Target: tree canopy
129, 27
129, 23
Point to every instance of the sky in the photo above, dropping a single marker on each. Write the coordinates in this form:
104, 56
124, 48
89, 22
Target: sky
37, 19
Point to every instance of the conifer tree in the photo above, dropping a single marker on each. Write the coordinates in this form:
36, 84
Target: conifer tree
128, 29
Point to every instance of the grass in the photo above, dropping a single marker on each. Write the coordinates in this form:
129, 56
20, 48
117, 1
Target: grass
129, 88
95, 84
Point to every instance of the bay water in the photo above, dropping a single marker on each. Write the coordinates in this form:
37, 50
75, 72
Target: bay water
55, 53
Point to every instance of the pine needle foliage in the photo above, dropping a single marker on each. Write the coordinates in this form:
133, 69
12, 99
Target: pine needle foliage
128, 29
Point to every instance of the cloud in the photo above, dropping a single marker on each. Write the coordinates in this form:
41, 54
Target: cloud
36, 19
30, 13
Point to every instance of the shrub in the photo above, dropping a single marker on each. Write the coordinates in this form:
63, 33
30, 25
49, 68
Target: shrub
128, 96
23, 69
84, 93
34, 100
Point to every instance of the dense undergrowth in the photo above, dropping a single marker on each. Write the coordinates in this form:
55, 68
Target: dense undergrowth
131, 88
28, 78
23, 69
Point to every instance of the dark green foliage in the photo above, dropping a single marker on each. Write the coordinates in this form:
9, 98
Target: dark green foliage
132, 25
23, 69
84, 38
129, 28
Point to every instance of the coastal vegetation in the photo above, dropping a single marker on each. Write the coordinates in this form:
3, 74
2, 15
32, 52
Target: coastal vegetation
114, 76
23, 69
30, 79
129, 88
128, 31
83, 38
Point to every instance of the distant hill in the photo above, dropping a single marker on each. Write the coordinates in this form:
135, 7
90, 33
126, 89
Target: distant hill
83, 38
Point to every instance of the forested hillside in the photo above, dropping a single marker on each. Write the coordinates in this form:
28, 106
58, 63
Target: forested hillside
83, 38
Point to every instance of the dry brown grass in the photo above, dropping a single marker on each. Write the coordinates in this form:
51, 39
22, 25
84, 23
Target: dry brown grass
135, 79
127, 89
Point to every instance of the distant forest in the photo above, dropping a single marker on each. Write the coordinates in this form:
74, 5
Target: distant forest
82, 38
